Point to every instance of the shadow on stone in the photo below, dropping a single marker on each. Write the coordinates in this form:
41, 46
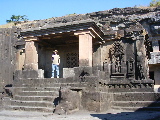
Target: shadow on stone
8, 90
67, 102
138, 115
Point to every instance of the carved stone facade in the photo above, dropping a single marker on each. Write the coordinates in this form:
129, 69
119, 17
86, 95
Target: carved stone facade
103, 54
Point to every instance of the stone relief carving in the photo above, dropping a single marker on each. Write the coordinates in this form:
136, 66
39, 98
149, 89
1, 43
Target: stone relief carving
139, 68
116, 57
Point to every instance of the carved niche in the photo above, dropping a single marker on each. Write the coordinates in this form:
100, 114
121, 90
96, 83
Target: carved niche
130, 68
130, 58
139, 67
116, 57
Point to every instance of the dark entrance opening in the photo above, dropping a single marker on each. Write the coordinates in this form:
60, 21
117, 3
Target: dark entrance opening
159, 44
151, 75
151, 47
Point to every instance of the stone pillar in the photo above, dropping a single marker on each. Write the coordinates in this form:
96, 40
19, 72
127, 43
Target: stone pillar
155, 46
31, 54
85, 48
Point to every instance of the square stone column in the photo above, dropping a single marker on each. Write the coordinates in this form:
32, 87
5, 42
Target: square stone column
31, 54
85, 48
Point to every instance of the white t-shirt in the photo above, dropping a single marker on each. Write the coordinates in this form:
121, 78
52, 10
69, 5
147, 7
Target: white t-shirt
55, 59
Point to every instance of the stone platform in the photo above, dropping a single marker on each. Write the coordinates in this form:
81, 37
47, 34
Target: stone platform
94, 95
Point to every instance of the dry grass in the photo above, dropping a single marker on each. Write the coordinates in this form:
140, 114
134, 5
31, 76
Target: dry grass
8, 25
143, 7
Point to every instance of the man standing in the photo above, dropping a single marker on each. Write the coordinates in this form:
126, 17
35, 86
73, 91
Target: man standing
55, 63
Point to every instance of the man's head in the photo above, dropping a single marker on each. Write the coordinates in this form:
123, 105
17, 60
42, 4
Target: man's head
55, 51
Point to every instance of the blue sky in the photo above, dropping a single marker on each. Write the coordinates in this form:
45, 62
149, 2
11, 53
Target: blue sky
43, 9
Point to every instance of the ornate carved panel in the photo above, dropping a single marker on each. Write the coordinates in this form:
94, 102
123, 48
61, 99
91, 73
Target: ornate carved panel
130, 67
116, 57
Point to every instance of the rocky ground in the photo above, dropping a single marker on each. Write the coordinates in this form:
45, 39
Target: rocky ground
81, 115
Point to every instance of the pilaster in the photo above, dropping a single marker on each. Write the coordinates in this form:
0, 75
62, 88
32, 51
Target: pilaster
31, 54
85, 47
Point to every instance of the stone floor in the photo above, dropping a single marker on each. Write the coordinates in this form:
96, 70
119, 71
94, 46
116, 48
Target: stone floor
81, 115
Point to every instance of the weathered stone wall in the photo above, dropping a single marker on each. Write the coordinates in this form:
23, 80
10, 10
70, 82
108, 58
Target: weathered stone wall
156, 70
20, 57
124, 28
116, 24
109, 18
97, 56
44, 61
8, 38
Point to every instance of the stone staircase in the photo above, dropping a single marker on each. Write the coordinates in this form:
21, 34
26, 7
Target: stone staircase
35, 99
35, 95
40, 94
136, 101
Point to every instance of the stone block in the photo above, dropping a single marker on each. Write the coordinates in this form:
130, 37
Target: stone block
25, 74
83, 71
155, 58
105, 100
91, 101
68, 72
6, 102
69, 101
156, 88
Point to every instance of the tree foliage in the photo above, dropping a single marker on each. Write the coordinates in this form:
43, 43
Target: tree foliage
154, 3
17, 18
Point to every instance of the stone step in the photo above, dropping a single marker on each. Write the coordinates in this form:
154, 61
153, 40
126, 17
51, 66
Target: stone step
136, 96
40, 85
44, 82
32, 103
37, 88
118, 93
136, 108
38, 93
35, 98
53, 82
130, 89
31, 108
136, 103
53, 85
